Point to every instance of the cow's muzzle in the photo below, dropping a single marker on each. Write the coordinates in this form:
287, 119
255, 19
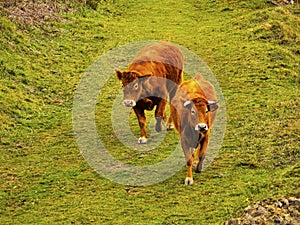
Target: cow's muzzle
129, 103
201, 127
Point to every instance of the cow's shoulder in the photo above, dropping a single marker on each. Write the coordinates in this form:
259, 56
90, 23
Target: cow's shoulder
207, 87
193, 89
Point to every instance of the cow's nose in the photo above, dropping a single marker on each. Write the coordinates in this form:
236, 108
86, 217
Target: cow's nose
129, 103
201, 127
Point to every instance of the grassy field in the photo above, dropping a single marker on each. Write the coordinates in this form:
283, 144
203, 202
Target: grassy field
253, 49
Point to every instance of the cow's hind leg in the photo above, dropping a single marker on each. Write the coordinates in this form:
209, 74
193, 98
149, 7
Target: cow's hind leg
160, 115
170, 124
172, 91
140, 114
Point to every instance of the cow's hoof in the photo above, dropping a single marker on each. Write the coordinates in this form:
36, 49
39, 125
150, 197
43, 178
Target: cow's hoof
188, 181
197, 170
142, 140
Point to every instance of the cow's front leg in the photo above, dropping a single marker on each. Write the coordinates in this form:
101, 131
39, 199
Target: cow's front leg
188, 154
189, 177
140, 114
200, 154
160, 115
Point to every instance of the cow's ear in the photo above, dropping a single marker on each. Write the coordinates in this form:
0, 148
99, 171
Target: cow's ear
119, 74
212, 106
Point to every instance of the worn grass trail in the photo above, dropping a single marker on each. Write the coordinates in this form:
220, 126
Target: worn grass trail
251, 47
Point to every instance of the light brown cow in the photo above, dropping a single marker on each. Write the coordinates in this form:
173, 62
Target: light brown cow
153, 75
196, 106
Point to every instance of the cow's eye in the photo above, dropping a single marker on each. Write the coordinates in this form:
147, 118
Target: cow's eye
193, 111
135, 87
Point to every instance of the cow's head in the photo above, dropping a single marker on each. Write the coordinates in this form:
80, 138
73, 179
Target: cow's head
133, 89
197, 114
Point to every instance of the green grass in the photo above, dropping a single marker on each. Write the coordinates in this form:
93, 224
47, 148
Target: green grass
252, 48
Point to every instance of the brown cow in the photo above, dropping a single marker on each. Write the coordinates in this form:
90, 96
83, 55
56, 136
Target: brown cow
195, 105
153, 74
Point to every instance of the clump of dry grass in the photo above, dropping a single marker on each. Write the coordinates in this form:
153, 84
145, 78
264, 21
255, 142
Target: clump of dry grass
32, 12
284, 2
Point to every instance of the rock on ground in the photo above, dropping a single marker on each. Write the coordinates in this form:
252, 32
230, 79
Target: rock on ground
285, 211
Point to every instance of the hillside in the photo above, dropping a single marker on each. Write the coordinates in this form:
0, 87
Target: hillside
252, 48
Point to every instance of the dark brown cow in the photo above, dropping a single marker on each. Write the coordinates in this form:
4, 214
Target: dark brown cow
195, 105
153, 75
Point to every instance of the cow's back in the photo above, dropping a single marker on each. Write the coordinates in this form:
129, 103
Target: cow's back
159, 59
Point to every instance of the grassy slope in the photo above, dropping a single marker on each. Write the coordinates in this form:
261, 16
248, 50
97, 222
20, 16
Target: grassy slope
252, 48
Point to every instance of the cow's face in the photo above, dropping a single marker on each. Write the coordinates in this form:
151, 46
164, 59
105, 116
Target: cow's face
132, 87
196, 111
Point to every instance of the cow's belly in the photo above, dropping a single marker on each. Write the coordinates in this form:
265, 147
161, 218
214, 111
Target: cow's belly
148, 103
